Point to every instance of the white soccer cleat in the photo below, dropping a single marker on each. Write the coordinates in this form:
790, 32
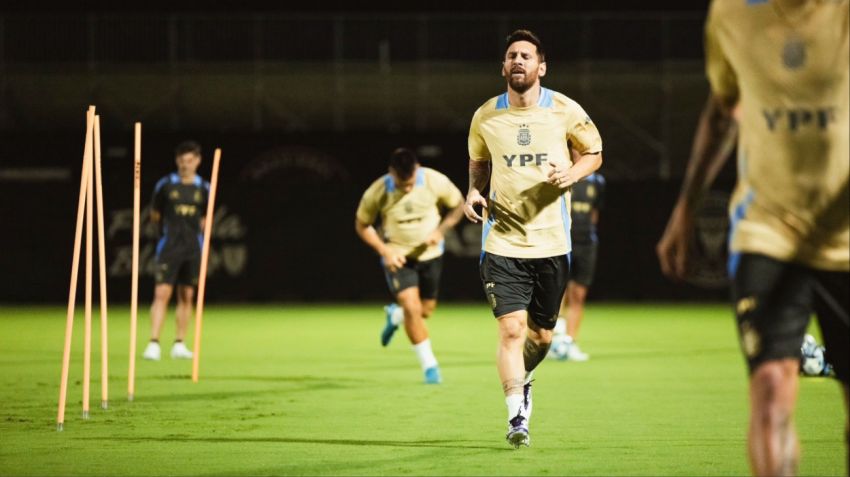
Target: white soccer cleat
180, 351
152, 351
574, 353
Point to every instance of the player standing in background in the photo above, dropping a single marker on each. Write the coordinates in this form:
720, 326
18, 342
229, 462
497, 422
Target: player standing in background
408, 200
179, 204
588, 196
524, 136
790, 233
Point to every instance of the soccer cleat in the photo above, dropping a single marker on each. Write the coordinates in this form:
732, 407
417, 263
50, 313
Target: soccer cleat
518, 432
152, 351
389, 328
180, 351
574, 353
432, 375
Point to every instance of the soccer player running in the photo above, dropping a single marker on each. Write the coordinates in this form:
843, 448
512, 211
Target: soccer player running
588, 196
179, 204
790, 233
524, 136
408, 200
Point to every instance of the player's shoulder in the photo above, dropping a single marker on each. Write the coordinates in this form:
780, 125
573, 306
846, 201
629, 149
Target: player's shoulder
733, 9
379, 185
597, 178
562, 102
166, 180
490, 107
431, 173
200, 182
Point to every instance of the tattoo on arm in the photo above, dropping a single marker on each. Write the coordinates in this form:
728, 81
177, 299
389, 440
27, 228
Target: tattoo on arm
479, 173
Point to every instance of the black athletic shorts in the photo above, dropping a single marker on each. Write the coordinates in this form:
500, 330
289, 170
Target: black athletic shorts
425, 275
774, 301
583, 263
533, 284
176, 267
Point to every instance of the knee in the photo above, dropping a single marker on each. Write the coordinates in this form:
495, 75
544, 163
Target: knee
186, 295
511, 329
773, 392
411, 307
162, 294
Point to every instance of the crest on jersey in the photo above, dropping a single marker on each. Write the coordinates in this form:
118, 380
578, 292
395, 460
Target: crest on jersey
174, 195
523, 137
591, 191
198, 197
408, 207
794, 53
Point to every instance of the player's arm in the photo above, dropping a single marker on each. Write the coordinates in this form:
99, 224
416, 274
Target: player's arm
392, 260
585, 146
479, 170
449, 221
713, 142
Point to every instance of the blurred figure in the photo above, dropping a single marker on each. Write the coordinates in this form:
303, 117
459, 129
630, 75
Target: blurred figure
179, 204
782, 67
588, 196
408, 200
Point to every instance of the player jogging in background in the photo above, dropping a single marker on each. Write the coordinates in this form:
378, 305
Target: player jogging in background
179, 204
524, 136
588, 196
788, 84
408, 200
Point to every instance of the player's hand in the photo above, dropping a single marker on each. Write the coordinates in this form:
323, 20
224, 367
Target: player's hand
434, 238
473, 199
673, 247
393, 261
561, 176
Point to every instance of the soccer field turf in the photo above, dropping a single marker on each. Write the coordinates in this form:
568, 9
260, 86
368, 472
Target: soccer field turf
309, 390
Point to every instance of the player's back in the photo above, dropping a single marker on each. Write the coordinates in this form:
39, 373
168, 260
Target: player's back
788, 65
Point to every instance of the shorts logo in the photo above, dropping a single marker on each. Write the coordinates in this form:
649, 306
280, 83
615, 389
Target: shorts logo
490, 285
746, 305
396, 283
491, 297
523, 137
750, 340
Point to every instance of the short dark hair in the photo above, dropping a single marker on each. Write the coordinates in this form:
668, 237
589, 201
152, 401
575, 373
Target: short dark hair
526, 35
187, 147
403, 162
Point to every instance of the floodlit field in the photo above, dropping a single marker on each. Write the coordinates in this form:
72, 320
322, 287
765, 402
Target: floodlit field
309, 390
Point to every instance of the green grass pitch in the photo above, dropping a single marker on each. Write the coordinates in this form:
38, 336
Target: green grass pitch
297, 390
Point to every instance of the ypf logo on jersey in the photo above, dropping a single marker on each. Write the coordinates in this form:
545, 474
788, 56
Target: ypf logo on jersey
523, 137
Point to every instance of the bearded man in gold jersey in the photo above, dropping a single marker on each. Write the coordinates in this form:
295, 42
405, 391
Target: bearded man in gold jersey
782, 67
524, 135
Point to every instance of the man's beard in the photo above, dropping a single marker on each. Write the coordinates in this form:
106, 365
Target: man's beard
520, 85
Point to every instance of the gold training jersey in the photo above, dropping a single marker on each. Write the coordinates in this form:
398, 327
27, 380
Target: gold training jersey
788, 67
526, 216
408, 219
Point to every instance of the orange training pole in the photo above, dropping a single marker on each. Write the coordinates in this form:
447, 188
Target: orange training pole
101, 243
75, 263
205, 254
88, 297
134, 287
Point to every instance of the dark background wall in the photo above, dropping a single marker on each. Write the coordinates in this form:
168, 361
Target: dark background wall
306, 106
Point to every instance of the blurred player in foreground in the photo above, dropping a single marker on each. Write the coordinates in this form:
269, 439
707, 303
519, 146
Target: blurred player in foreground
408, 200
523, 136
790, 234
179, 204
588, 196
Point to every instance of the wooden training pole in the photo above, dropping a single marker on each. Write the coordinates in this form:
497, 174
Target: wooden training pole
134, 282
75, 263
88, 298
205, 254
101, 255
